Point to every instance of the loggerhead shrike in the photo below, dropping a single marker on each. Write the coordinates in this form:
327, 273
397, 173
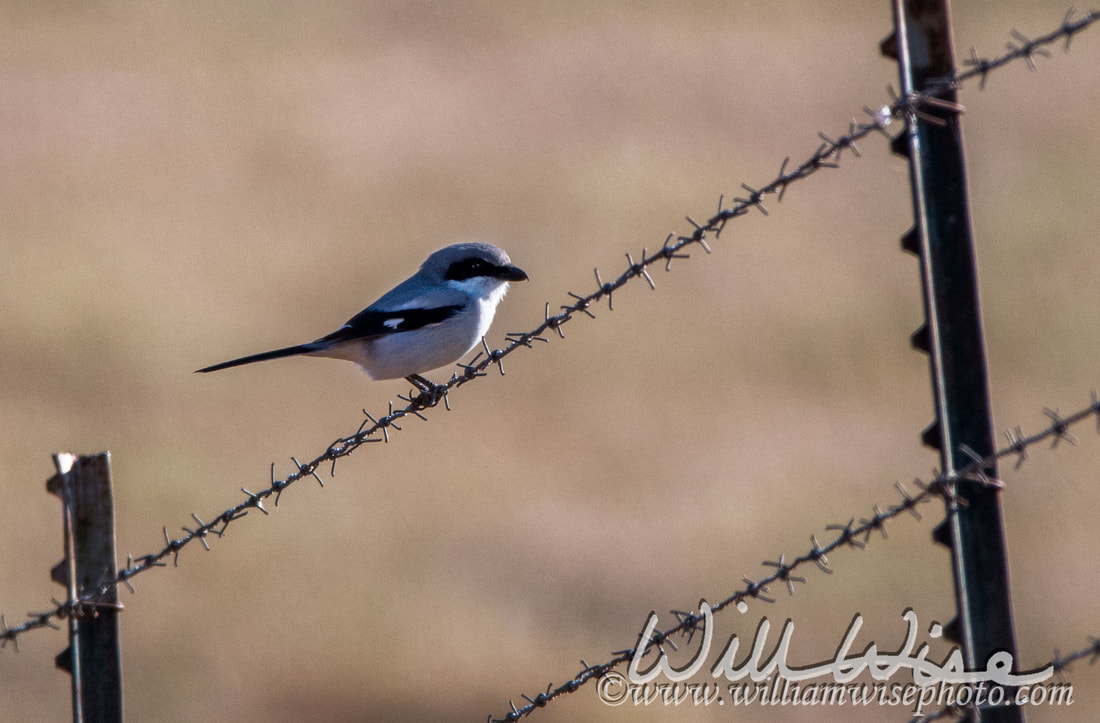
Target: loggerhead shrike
429, 320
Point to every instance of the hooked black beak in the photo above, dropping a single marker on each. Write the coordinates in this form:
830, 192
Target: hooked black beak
512, 273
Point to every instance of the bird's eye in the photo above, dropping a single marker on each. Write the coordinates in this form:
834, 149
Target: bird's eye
468, 269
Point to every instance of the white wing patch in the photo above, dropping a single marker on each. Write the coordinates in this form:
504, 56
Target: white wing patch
393, 323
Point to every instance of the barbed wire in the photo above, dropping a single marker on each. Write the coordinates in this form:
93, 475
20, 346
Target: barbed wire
827, 155
1090, 651
913, 105
1059, 662
848, 535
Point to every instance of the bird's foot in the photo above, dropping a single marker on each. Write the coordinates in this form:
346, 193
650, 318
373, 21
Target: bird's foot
434, 392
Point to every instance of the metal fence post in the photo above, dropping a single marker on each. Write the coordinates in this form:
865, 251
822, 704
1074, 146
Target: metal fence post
952, 335
93, 657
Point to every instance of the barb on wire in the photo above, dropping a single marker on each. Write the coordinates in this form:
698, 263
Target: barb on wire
848, 535
826, 155
1027, 49
1090, 651
1059, 663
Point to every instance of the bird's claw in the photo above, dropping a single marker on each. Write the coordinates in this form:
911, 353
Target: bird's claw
434, 392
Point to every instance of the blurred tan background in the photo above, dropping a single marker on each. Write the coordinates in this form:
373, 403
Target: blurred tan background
183, 183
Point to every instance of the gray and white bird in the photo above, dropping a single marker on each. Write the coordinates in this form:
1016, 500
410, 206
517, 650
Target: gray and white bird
433, 318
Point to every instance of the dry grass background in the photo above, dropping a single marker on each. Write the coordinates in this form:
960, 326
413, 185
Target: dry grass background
187, 182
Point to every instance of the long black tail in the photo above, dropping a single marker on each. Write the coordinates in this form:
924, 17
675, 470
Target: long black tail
274, 354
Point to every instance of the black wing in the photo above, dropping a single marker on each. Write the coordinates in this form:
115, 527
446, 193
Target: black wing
364, 325
368, 324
